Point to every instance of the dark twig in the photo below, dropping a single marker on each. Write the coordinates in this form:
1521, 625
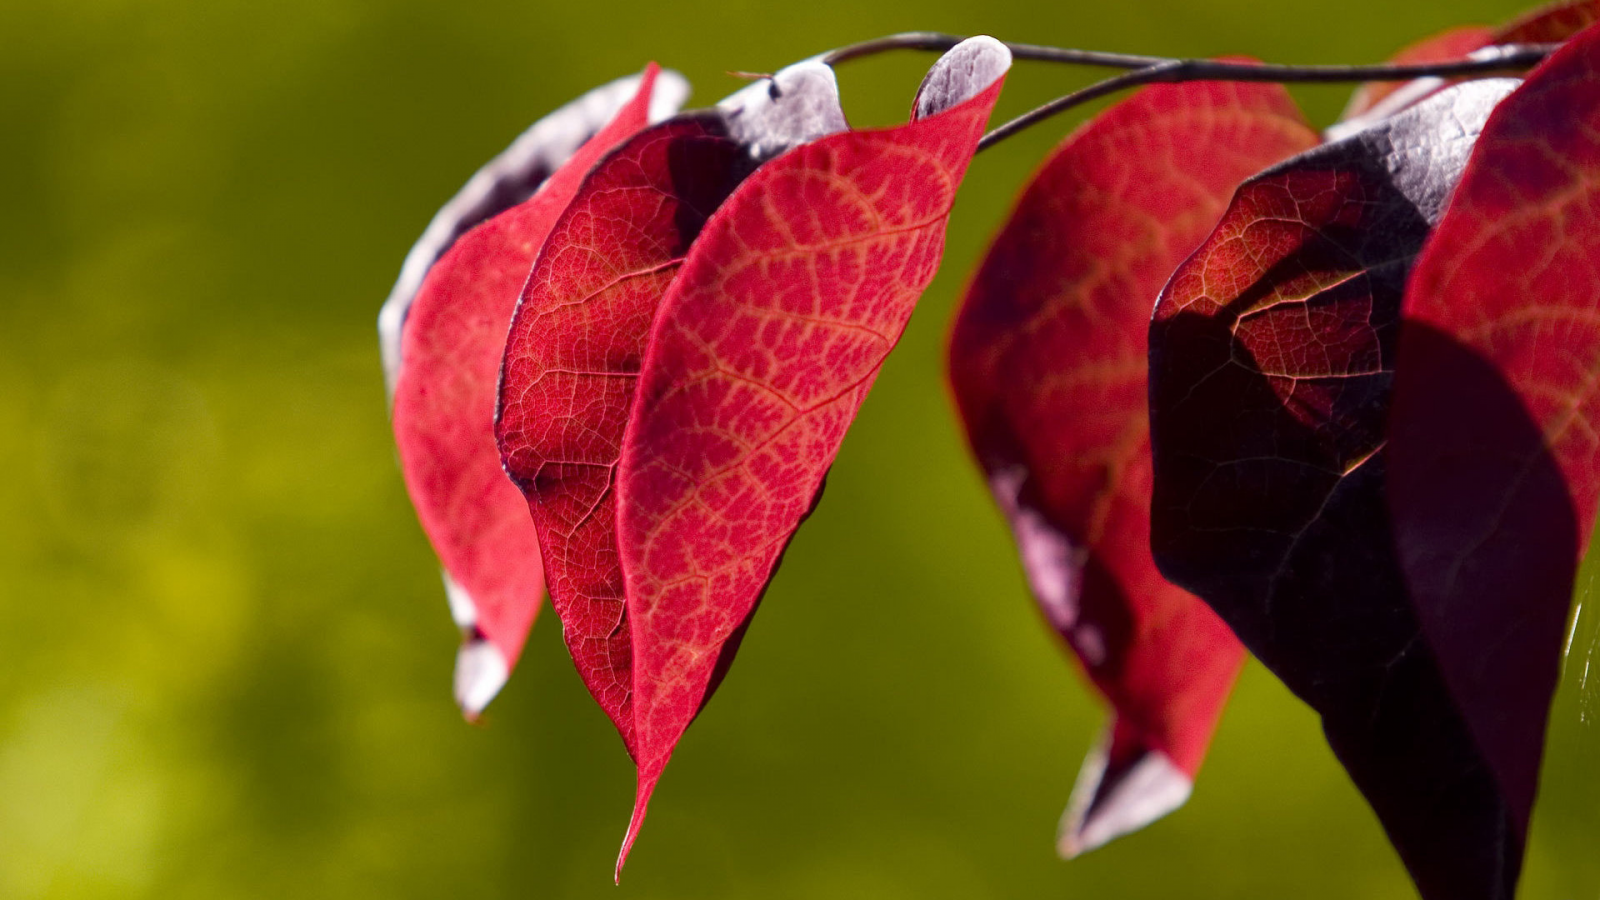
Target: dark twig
1496, 60
937, 42
1154, 69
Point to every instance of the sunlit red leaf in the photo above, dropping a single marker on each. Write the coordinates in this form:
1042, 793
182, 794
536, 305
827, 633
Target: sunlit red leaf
1048, 364
1271, 360
760, 356
450, 336
507, 180
580, 331
1495, 434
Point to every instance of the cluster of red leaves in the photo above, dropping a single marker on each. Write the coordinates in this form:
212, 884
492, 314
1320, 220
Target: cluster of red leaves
697, 309
1234, 385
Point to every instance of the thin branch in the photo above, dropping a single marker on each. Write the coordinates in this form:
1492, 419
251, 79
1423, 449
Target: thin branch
1503, 57
1091, 93
1493, 60
938, 42
1154, 69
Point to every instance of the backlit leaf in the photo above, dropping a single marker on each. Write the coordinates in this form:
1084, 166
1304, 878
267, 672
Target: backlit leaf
580, 330
444, 343
507, 180
1048, 363
760, 356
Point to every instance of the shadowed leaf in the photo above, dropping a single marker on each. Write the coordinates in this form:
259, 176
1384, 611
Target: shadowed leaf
1494, 447
1271, 361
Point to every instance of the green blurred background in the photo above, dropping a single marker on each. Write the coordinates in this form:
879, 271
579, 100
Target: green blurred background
224, 650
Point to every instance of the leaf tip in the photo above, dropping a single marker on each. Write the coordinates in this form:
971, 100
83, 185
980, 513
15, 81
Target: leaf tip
641, 803
965, 71
669, 91
1119, 792
463, 609
481, 672
796, 105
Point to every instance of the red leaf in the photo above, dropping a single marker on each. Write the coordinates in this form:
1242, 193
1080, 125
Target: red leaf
1271, 361
448, 360
580, 332
1550, 24
760, 356
1452, 44
1048, 363
507, 180
1494, 447
1376, 100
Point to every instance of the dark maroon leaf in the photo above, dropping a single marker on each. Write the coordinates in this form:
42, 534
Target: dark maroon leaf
1271, 364
1549, 24
1495, 453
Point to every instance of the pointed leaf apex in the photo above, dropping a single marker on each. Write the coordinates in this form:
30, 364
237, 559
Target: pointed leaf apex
641, 803
1119, 792
796, 106
670, 91
481, 672
835, 241
463, 609
964, 72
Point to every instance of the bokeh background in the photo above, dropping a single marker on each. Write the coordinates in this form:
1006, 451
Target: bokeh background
224, 650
